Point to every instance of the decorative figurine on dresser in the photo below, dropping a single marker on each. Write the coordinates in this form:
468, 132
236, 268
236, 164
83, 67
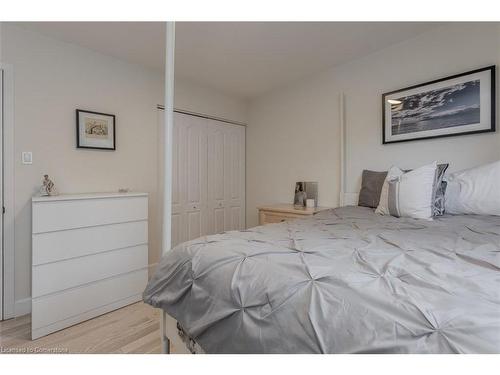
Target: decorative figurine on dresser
48, 187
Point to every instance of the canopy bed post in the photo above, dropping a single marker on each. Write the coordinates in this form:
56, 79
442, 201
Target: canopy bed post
167, 183
343, 150
165, 342
167, 149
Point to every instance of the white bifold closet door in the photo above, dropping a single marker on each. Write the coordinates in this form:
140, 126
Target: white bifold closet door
208, 177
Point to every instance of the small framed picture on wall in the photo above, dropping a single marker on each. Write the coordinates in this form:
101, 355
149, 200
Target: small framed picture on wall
95, 130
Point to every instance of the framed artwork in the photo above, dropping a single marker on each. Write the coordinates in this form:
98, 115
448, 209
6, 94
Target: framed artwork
95, 130
455, 105
305, 190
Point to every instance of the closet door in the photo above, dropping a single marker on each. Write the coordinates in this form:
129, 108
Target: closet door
189, 179
178, 185
226, 176
217, 197
195, 177
235, 177
208, 172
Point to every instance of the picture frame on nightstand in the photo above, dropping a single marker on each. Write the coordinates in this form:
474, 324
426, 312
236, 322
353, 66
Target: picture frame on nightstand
305, 190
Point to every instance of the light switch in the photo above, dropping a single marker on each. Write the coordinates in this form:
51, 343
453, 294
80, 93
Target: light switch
27, 157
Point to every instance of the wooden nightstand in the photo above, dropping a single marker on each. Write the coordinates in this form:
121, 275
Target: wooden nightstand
277, 213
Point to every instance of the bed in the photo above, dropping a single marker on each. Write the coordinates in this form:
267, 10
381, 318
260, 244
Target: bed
344, 281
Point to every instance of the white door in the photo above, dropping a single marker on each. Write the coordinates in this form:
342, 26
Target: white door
226, 176
178, 233
194, 175
217, 171
189, 178
235, 177
208, 177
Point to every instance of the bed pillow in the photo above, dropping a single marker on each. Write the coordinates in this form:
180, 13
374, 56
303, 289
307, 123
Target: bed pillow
440, 186
383, 206
372, 183
474, 191
410, 194
371, 188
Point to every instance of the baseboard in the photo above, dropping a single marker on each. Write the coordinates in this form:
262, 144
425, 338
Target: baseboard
22, 307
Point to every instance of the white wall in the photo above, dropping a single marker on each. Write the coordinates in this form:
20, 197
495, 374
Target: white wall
446, 51
195, 98
52, 79
293, 133
1, 26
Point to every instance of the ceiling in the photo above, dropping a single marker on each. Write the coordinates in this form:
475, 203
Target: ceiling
245, 59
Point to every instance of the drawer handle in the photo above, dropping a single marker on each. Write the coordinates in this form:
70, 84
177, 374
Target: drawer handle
282, 220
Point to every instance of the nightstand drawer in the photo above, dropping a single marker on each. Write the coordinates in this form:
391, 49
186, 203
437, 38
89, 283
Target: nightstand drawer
267, 217
278, 213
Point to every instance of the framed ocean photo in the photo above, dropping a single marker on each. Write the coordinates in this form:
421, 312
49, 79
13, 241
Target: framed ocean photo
456, 105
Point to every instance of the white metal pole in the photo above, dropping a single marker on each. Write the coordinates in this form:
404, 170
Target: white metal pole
169, 122
342, 150
1, 186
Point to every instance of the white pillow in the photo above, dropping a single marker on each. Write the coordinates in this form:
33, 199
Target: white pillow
474, 191
383, 206
409, 194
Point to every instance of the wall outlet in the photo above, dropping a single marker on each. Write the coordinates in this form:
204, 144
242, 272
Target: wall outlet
27, 157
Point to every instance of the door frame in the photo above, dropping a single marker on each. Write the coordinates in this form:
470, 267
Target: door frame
7, 148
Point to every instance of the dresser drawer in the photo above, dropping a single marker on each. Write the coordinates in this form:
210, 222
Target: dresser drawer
59, 310
56, 246
60, 215
57, 276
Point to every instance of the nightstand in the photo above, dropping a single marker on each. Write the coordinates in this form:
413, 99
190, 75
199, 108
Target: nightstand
278, 213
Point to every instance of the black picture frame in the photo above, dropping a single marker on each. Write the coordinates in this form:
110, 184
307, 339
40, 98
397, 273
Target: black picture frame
78, 124
492, 115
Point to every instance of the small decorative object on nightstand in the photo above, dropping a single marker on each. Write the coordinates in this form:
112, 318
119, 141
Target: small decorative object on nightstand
277, 213
305, 190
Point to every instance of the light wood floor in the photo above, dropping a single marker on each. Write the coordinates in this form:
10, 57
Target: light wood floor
132, 329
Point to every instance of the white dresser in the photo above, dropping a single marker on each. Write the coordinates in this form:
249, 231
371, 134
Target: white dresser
90, 256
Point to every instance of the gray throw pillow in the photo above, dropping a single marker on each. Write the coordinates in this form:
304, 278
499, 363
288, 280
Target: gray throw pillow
371, 186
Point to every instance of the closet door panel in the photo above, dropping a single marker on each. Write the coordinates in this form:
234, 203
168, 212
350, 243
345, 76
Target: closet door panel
176, 229
236, 223
193, 165
219, 217
191, 178
178, 183
194, 224
235, 177
216, 177
216, 164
